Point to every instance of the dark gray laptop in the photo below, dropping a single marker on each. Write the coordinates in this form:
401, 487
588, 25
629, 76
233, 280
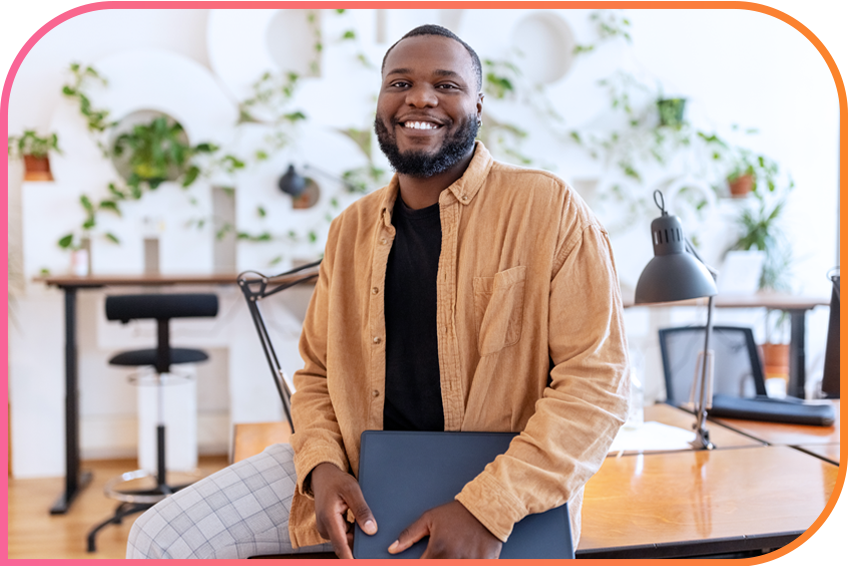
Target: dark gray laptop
403, 474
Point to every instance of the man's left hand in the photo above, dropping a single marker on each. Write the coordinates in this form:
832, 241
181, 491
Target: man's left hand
454, 533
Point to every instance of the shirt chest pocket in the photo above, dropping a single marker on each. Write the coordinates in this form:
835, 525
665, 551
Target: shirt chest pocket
499, 309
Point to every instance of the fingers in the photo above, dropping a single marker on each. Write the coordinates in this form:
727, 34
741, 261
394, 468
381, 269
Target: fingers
355, 500
337, 531
410, 535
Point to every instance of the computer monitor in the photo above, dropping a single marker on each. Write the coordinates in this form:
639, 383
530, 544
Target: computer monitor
830, 379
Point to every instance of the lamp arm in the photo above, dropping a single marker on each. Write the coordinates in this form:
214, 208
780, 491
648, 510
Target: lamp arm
691, 249
254, 290
702, 435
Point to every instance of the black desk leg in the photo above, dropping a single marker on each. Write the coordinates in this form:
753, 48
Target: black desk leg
75, 481
797, 353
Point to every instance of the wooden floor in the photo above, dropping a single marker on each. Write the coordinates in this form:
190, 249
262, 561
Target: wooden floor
34, 533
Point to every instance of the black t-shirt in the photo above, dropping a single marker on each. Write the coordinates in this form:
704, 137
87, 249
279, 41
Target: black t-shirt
413, 389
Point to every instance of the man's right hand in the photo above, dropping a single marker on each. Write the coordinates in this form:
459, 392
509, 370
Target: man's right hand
335, 492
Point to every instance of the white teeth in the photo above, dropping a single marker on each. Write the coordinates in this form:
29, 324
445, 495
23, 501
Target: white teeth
421, 125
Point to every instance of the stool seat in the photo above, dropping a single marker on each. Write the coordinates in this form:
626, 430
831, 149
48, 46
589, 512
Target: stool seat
148, 357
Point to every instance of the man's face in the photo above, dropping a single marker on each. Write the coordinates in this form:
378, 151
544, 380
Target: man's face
429, 105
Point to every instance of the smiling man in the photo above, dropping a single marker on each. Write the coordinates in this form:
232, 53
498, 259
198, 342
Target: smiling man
466, 295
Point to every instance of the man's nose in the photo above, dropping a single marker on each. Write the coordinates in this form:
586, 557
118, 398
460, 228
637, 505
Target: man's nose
422, 96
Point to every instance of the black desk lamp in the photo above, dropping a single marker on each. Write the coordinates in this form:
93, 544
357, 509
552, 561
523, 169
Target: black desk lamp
255, 287
677, 273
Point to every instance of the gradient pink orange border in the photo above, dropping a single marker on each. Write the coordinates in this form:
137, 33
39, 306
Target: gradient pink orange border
647, 5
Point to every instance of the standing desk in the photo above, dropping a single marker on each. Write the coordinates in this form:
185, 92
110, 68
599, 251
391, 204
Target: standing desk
745, 495
75, 479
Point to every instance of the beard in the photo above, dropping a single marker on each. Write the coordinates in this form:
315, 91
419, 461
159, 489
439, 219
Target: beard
422, 164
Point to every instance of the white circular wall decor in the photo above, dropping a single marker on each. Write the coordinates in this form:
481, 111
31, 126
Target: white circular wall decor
290, 41
546, 43
244, 44
169, 83
541, 43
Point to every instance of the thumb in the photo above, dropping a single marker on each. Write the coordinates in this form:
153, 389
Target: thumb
410, 535
361, 512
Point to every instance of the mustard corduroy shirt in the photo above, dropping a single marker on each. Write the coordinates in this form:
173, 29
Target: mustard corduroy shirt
530, 336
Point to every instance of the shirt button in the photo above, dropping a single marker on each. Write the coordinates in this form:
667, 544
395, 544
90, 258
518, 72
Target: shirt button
374, 291
375, 393
377, 340
464, 197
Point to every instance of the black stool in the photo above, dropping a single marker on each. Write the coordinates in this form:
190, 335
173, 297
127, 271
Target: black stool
162, 308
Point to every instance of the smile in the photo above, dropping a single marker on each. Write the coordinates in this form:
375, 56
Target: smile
421, 125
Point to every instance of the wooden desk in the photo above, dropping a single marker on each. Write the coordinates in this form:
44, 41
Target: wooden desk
786, 434
829, 452
721, 436
699, 502
797, 308
75, 480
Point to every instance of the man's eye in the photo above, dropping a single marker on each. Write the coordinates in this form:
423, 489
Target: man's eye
399, 84
447, 86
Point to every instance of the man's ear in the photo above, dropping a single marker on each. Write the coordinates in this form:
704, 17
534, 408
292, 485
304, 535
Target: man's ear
480, 97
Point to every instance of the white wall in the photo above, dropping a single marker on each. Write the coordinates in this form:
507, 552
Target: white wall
736, 67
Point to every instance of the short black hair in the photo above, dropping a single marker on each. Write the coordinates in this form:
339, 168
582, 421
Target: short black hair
433, 29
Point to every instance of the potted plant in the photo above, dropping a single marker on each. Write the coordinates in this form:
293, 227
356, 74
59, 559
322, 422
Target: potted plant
34, 149
759, 226
750, 171
775, 350
671, 112
156, 152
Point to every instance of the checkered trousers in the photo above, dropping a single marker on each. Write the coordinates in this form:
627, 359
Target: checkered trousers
238, 512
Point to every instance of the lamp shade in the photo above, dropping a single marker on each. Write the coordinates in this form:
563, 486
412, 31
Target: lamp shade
673, 274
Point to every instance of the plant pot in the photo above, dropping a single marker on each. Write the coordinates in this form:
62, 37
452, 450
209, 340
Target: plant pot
776, 360
741, 185
37, 168
671, 112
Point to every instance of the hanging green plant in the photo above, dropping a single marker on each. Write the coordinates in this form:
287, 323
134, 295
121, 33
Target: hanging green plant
34, 151
671, 111
30, 143
157, 152
82, 78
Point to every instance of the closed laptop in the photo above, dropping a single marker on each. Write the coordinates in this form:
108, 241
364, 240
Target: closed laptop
403, 474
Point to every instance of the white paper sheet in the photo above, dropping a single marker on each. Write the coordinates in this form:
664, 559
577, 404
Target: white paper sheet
652, 436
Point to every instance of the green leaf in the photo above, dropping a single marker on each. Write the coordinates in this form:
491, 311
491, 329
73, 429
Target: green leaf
261, 212
68, 91
275, 261
86, 204
65, 241
312, 236
112, 238
295, 116
191, 175
89, 223
349, 34
110, 205
205, 148
261, 155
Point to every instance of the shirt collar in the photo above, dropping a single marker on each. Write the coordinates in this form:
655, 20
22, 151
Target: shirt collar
463, 190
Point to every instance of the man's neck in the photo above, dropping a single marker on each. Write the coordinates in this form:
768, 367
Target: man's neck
421, 192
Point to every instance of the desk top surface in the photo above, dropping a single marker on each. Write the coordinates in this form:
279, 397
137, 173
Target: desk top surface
151, 279
680, 497
769, 300
786, 434
721, 436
